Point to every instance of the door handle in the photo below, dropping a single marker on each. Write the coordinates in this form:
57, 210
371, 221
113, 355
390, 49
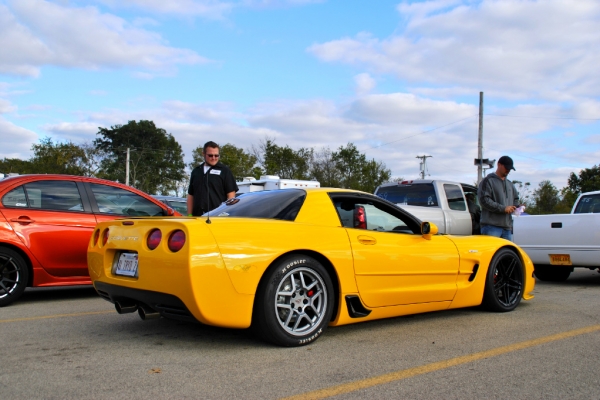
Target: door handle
368, 240
22, 220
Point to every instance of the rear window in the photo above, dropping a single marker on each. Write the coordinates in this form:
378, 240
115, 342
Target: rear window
411, 195
282, 204
588, 204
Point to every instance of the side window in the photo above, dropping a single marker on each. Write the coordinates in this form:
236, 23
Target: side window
364, 215
15, 198
113, 200
455, 197
54, 195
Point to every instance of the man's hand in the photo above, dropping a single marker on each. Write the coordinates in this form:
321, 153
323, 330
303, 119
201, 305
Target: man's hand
509, 209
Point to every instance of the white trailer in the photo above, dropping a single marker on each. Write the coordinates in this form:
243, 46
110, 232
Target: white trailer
273, 182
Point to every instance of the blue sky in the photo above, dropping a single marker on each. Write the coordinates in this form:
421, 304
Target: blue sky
396, 78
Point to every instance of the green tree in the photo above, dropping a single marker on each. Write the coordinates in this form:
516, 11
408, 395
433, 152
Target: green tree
545, 199
323, 169
57, 158
587, 181
15, 166
286, 162
356, 172
156, 159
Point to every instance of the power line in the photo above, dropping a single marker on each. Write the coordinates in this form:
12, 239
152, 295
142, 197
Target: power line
420, 133
527, 116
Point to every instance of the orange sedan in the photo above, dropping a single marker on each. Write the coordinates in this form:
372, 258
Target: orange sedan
46, 222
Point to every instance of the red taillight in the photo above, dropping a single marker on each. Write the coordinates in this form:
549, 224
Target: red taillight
360, 219
176, 240
96, 236
104, 237
154, 239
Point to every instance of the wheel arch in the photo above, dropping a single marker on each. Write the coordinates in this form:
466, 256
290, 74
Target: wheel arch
26, 258
324, 261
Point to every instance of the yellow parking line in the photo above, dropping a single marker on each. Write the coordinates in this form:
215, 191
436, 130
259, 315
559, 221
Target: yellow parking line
408, 373
56, 316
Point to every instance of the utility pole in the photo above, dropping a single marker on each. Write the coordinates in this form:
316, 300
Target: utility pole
423, 165
127, 169
479, 161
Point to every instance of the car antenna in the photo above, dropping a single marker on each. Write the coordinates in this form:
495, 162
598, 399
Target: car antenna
208, 195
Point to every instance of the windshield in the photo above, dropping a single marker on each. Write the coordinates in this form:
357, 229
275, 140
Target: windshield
422, 194
283, 204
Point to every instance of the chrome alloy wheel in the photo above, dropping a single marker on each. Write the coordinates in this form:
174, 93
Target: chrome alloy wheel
301, 301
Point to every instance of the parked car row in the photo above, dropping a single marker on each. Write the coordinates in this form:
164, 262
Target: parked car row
46, 222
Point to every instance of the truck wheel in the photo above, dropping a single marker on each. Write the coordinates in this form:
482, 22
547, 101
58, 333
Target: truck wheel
504, 282
294, 302
13, 276
551, 273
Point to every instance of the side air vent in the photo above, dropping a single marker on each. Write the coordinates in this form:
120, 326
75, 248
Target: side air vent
355, 307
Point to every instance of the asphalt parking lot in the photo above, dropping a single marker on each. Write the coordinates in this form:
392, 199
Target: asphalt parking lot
68, 343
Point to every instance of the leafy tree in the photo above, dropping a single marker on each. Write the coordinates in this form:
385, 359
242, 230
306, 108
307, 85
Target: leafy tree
545, 199
15, 166
57, 158
323, 169
156, 159
587, 181
286, 162
356, 172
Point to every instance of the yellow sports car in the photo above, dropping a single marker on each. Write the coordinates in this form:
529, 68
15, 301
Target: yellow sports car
290, 262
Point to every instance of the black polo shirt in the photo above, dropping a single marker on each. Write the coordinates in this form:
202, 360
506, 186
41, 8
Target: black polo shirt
220, 182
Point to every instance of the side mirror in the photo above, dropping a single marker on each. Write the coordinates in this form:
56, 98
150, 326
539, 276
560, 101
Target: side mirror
170, 212
428, 229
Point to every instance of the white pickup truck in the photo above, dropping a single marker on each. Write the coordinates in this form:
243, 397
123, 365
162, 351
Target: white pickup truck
444, 203
557, 243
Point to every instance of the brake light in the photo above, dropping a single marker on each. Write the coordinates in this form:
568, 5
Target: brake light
154, 239
96, 236
360, 219
105, 237
176, 240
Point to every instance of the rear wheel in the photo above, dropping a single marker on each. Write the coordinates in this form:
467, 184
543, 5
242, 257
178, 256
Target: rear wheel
13, 276
552, 273
504, 282
294, 302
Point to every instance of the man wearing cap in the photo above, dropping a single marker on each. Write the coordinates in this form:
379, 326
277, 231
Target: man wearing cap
499, 199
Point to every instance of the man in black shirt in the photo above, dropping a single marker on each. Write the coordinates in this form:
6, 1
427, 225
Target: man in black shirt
211, 183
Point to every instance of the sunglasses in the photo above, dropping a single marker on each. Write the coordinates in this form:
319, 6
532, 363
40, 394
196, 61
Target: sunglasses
212, 156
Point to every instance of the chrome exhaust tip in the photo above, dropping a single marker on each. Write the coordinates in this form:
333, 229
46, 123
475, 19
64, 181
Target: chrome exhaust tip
147, 313
125, 308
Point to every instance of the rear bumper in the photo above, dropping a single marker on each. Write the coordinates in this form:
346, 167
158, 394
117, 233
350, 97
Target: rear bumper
167, 305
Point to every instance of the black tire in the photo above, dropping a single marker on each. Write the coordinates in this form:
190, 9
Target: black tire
14, 276
504, 282
294, 302
552, 273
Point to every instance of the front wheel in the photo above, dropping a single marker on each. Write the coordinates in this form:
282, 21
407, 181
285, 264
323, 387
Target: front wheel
13, 276
294, 302
504, 282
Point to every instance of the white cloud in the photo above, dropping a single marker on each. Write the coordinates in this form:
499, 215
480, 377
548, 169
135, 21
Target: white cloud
546, 48
35, 33
15, 142
364, 83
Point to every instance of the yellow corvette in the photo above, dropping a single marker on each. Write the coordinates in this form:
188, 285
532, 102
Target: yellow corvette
290, 262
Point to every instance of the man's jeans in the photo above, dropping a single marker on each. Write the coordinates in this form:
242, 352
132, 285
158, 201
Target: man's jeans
497, 231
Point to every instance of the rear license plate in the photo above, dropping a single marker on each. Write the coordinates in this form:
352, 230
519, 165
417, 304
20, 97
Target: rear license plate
560, 259
127, 264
